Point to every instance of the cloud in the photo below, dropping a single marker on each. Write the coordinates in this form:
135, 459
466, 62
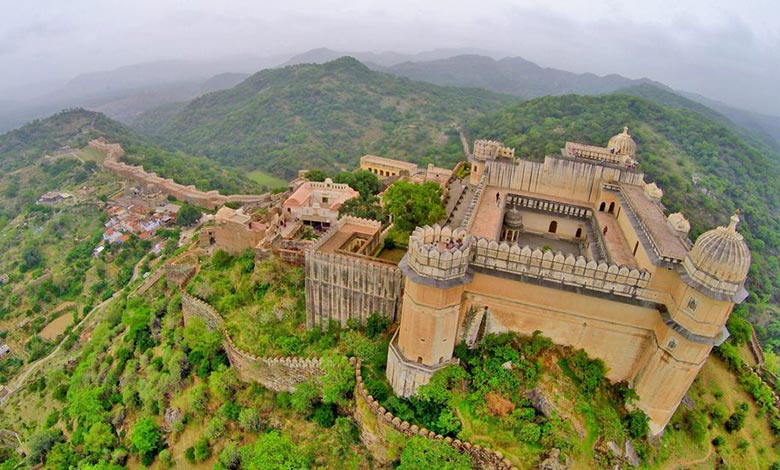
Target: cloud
729, 50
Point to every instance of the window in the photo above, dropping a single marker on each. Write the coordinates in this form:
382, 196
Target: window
692, 304
419, 359
579, 233
602, 206
553, 227
611, 207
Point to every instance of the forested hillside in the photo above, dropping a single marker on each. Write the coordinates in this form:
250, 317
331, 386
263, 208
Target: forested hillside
321, 116
72, 129
705, 169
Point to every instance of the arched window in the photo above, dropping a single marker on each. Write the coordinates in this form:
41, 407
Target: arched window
553, 227
419, 359
602, 206
579, 233
611, 207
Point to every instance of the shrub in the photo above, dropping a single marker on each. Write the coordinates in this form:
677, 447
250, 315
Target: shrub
636, 424
249, 420
324, 415
421, 453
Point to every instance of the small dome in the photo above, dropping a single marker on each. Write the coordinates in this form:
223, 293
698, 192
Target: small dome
653, 192
623, 144
679, 223
719, 261
513, 218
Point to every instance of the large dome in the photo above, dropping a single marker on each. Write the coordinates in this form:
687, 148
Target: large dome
623, 143
719, 262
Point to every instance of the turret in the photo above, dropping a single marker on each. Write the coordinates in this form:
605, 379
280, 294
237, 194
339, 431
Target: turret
436, 270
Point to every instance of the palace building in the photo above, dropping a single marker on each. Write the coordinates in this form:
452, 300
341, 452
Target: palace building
578, 247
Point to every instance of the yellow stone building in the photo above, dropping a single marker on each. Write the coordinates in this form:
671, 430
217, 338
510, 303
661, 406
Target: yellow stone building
578, 247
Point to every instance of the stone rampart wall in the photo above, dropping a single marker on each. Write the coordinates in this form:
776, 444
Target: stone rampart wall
180, 270
383, 423
275, 373
207, 199
285, 373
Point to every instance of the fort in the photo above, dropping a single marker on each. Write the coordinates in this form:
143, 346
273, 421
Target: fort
578, 247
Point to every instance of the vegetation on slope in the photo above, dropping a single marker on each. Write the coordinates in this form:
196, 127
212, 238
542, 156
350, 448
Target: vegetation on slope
322, 116
64, 133
704, 168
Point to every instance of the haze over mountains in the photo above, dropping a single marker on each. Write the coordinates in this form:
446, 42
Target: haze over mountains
128, 92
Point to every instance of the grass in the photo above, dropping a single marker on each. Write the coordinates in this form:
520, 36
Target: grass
716, 384
264, 179
90, 154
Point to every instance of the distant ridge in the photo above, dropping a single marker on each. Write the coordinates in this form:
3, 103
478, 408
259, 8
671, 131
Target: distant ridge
320, 116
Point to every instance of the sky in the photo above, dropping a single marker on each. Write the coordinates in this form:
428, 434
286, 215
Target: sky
724, 49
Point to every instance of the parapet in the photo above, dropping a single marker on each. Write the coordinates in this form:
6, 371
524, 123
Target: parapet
491, 150
559, 268
439, 253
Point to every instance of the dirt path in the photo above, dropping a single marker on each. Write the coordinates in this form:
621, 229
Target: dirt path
689, 463
20, 379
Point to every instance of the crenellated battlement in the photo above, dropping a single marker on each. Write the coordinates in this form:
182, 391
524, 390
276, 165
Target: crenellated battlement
491, 149
440, 253
561, 268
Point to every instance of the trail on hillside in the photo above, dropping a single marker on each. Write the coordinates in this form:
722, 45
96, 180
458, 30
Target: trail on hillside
18, 382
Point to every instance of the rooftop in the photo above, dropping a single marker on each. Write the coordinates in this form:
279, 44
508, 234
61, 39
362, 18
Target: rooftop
666, 243
344, 234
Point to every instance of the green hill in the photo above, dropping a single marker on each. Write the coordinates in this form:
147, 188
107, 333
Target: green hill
704, 167
321, 116
68, 131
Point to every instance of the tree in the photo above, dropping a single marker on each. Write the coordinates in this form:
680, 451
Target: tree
316, 175
428, 453
636, 423
365, 207
99, 440
188, 215
413, 205
303, 398
41, 443
273, 451
31, 257
145, 438
362, 181
339, 379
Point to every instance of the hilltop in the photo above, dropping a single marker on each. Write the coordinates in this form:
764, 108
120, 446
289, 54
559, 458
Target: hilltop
320, 116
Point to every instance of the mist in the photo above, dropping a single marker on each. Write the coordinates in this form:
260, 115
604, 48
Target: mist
728, 51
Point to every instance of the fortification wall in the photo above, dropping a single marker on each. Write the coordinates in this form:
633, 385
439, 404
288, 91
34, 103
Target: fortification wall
281, 374
377, 424
380, 428
340, 288
180, 270
207, 199
558, 176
